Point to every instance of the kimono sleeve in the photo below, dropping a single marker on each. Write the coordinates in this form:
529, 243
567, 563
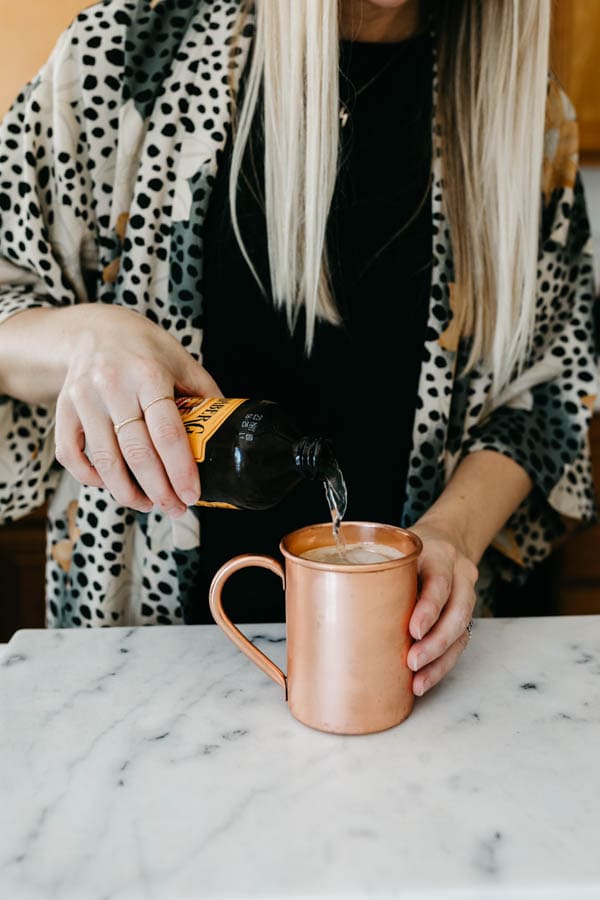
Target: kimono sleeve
543, 421
48, 252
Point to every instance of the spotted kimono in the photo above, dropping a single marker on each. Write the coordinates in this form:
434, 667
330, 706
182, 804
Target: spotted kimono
106, 164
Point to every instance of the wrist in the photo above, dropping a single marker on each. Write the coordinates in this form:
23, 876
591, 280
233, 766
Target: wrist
448, 526
34, 358
76, 331
484, 491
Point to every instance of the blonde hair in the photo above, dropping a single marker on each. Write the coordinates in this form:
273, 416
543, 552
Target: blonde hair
493, 69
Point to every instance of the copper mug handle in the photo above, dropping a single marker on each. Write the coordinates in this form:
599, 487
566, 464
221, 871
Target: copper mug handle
223, 621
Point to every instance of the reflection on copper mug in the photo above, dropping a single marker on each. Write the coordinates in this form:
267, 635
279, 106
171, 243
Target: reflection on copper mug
347, 629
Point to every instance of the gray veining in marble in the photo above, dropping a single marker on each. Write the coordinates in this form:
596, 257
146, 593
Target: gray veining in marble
159, 764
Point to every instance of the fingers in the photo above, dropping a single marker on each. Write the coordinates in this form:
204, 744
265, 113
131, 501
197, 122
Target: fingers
82, 426
143, 461
155, 449
157, 455
138, 449
194, 381
70, 445
434, 655
149, 462
105, 452
169, 437
436, 577
433, 673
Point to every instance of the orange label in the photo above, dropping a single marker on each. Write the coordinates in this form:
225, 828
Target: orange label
202, 417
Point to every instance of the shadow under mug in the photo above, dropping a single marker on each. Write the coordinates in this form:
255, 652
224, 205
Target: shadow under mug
347, 628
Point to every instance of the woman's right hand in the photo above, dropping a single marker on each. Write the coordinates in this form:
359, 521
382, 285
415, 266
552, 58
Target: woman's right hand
118, 363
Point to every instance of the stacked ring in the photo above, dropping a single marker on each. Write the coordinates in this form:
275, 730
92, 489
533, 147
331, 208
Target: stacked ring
158, 399
122, 424
126, 422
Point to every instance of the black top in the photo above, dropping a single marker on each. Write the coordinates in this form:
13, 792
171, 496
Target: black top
359, 384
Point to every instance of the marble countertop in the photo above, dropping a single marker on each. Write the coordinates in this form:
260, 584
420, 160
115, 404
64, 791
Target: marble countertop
160, 764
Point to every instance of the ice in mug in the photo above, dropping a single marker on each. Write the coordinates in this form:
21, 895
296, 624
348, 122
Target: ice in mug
363, 553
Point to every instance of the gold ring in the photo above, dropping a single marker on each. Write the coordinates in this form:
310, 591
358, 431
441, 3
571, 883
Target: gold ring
158, 399
127, 421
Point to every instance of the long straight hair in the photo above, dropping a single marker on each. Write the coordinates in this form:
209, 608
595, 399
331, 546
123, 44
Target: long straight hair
492, 84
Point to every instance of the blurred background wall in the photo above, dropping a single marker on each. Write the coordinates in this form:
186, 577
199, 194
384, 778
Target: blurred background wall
28, 32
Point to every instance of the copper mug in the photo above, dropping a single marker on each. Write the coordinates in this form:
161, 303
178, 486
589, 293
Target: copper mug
347, 629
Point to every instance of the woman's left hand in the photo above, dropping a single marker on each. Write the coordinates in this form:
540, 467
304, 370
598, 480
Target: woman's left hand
439, 623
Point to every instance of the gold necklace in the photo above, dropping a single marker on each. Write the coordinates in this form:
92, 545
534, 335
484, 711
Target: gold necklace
344, 113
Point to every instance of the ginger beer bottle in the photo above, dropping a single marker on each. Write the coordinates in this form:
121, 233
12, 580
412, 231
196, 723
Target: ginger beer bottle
250, 454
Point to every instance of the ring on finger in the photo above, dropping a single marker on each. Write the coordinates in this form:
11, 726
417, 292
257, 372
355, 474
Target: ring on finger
157, 400
469, 629
117, 426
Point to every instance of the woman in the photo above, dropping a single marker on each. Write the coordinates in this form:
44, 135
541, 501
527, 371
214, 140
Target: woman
295, 242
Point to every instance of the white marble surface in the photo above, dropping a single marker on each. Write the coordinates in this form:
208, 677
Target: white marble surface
160, 764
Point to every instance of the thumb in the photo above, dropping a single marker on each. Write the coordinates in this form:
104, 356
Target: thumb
195, 381
436, 577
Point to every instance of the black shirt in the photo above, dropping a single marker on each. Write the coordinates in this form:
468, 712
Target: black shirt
359, 384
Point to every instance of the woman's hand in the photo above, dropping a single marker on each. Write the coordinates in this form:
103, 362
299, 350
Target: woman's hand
117, 364
444, 608
483, 492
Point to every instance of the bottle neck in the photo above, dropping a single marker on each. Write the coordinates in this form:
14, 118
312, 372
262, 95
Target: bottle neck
315, 458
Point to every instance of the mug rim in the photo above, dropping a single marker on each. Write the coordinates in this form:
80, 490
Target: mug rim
358, 567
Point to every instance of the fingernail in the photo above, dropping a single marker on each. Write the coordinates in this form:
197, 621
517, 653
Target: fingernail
190, 498
419, 690
418, 633
417, 662
176, 512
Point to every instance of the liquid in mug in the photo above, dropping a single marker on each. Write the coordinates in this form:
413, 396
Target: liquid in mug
360, 554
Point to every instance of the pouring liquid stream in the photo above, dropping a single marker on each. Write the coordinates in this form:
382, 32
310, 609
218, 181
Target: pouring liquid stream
337, 500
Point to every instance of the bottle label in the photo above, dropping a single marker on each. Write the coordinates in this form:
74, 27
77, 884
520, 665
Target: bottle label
202, 418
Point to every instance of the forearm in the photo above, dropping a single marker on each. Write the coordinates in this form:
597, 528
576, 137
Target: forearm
33, 353
485, 490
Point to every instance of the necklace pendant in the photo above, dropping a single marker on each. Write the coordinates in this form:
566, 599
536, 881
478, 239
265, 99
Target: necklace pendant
344, 115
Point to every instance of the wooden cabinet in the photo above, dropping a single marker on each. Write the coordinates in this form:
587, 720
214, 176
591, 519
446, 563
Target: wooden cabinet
576, 61
22, 561
576, 579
